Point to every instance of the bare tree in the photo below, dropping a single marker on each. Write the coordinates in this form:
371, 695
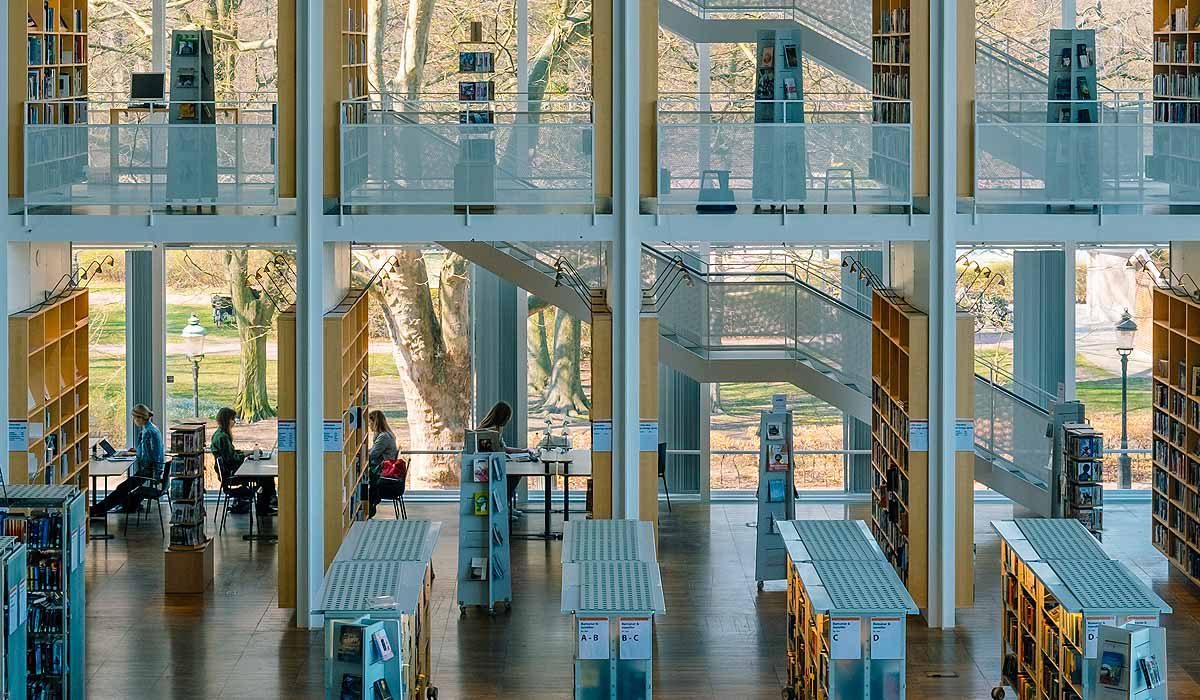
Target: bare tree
254, 316
431, 349
565, 393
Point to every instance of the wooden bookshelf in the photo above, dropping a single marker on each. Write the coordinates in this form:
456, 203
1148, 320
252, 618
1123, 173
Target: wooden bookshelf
900, 91
48, 388
1176, 426
1176, 81
51, 62
899, 445
285, 562
346, 395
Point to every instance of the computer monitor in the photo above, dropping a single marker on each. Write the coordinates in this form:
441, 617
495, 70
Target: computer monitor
147, 86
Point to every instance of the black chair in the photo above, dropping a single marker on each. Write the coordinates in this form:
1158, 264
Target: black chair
231, 489
400, 485
149, 488
662, 471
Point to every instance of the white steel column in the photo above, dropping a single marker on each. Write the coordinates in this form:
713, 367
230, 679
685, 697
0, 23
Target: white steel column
704, 100
521, 137
158, 36
310, 262
1069, 15
626, 294
1069, 322
706, 442
943, 66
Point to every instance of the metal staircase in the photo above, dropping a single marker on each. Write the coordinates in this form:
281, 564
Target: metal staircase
786, 323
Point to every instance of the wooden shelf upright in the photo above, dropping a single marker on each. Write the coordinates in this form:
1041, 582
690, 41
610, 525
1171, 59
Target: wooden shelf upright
51, 61
48, 389
1176, 501
1176, 90
900, 444
346, 397
285, 563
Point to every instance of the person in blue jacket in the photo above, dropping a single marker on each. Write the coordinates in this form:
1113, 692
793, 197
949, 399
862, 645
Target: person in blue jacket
148, 464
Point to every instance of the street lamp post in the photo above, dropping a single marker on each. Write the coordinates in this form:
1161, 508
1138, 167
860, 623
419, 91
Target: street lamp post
1126, 330
193, 346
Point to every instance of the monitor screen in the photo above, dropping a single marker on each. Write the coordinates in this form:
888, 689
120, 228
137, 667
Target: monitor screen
147, 86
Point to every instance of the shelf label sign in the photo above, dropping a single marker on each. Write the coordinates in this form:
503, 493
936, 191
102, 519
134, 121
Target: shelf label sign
964, 436
14, 605
845, 638
286, 434
887, 638
18, 435
918, 435
779, 403
333, 434
602, 436
636, 638
648, 436
1092, 632
1142, 620
593, 637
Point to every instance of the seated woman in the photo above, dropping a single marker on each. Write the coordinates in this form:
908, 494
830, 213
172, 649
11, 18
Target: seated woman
383, 449
497, 419
230, 459
147, 465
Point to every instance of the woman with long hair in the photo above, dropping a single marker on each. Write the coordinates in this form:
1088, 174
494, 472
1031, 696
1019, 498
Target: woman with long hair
229, 460
497, 419
383, 449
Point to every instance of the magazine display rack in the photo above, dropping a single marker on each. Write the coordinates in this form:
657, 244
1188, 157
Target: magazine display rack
484, 573
1083, 471
1072, 152
780, 160
475, 170
189, 556
192, 142
776, 494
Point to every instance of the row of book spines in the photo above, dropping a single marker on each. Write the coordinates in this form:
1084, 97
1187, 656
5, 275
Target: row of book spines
49, 51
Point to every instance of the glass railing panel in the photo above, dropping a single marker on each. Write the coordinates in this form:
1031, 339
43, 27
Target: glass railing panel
1012, 431
752, 165
150, 162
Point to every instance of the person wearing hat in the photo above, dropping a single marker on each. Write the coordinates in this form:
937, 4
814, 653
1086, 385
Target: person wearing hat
147, 464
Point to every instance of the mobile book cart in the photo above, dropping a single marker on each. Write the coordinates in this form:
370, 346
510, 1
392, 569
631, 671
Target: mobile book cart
376, 604
484, 578
16, 606
611, 584
52, 522
846, 613
1060, 589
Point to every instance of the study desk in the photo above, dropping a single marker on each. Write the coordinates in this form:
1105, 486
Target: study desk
265, 468
104, 469
536, 468
570, 464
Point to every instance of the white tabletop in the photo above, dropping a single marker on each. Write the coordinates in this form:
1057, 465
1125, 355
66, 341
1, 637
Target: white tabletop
573, 462
268, 467
104, 467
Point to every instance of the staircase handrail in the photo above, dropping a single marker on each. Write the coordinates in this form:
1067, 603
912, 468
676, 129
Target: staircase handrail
987, 35
995, 370
786, 276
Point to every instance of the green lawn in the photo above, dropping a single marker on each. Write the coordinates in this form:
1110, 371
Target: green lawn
108, 322
748, 399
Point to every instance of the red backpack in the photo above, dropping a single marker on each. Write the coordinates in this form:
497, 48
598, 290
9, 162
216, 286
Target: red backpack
394, 469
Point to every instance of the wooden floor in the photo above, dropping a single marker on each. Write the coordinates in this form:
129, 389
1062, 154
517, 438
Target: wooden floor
719, 639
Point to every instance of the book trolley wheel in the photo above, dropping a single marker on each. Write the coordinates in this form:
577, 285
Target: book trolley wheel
462, 611
997, 693
760, 586
431, 693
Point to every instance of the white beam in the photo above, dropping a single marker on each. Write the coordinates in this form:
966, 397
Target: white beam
310, 260
626, 258
158, 36
1069, 14
943, 67
1069, 322
5, 471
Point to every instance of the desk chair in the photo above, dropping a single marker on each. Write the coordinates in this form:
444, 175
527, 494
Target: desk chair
662, 471
231, 489
400, 484
149, 488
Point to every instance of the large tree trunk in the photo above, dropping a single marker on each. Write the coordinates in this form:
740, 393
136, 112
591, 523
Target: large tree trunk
254, 315
539, 351
377, 16
416, 48
565, 394
432, 354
